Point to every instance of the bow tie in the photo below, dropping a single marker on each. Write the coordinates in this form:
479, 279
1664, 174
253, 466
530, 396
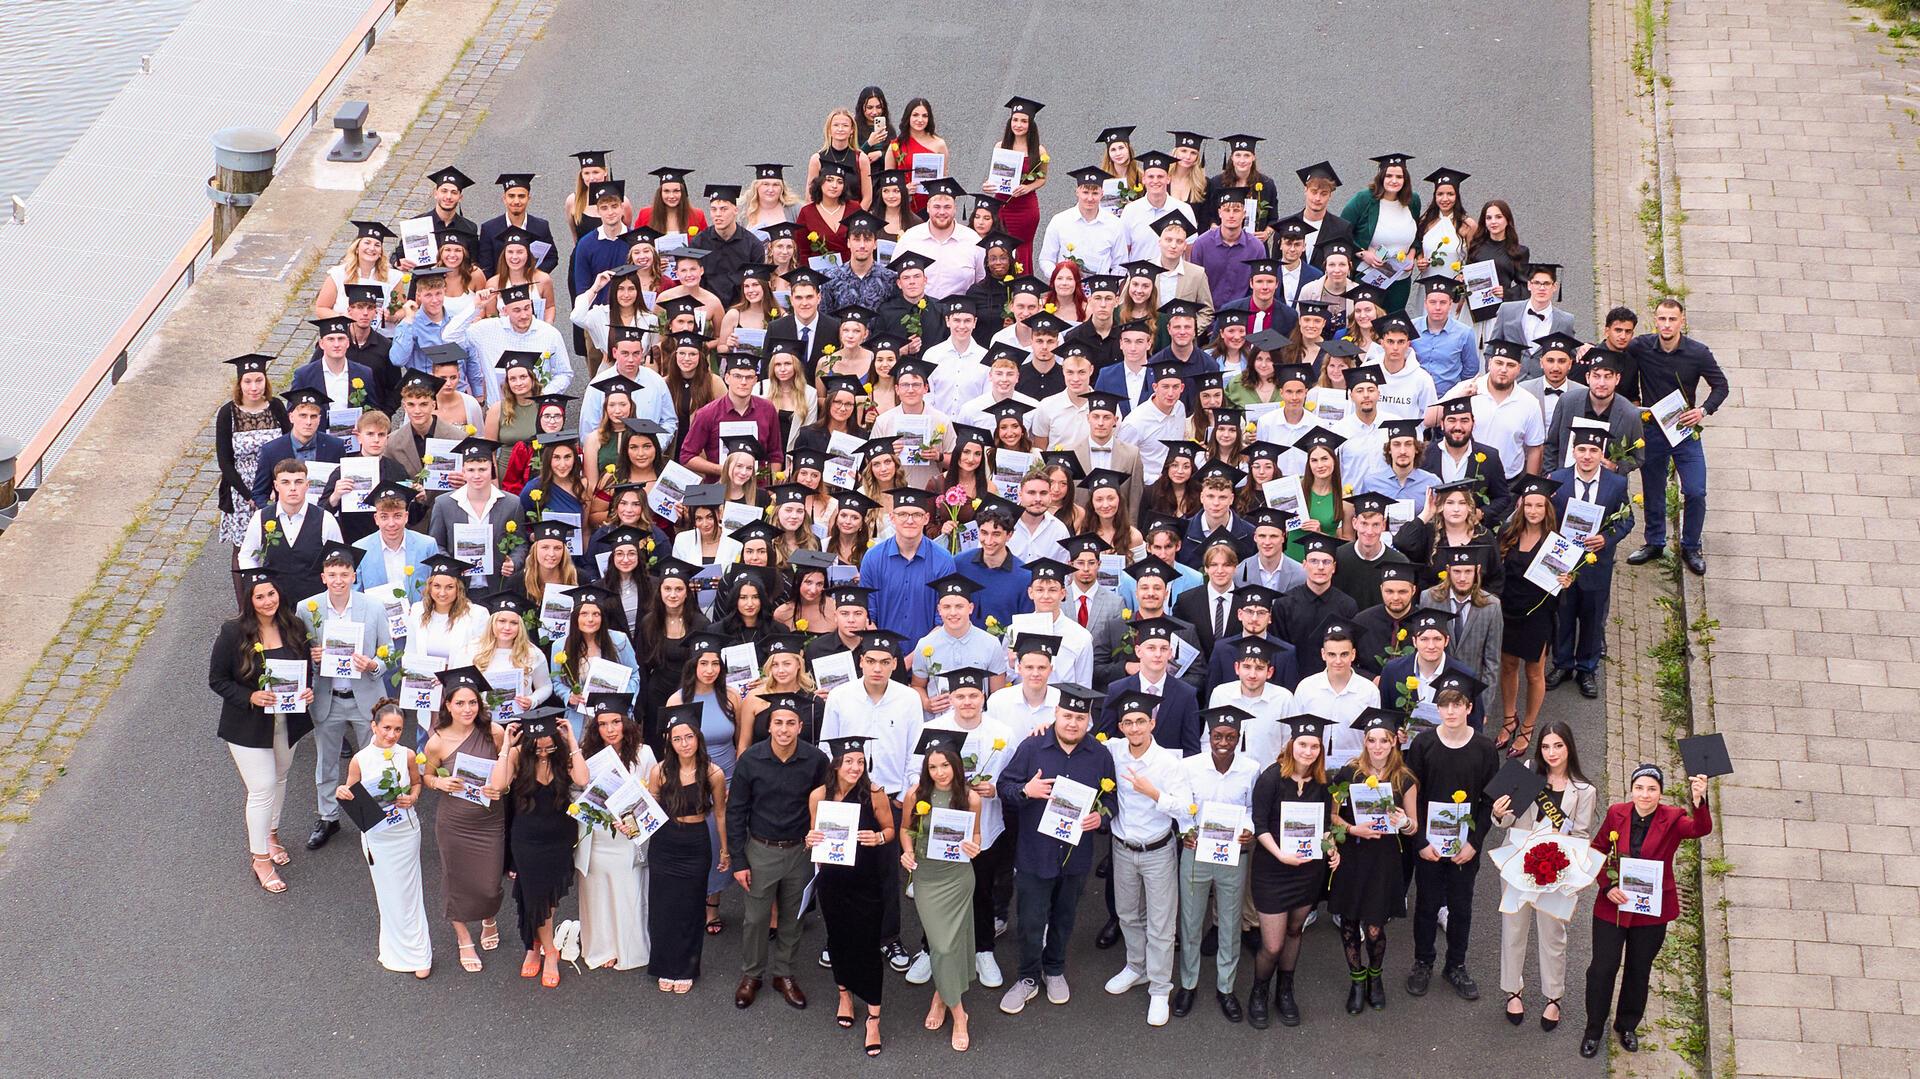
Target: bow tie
1541, 315
1555, 393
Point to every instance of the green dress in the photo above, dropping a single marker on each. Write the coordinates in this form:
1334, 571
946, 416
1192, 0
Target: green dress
943, 894
1323, 508
524, 425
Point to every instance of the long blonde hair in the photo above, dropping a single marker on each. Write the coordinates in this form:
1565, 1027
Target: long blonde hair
350, 265
853, 128
536, 578
523, 654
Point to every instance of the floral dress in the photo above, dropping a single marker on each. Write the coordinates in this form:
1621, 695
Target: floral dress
251, 432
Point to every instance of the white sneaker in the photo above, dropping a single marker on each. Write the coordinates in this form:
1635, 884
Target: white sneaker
1125, 980
1442, 919
921, 972
1157, 1010
1308, 924
987, 970
1057, 992
1015, 1000
999, 928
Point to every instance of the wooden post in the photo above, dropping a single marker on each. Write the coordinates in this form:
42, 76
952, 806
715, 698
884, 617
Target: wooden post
243, 159
9, 495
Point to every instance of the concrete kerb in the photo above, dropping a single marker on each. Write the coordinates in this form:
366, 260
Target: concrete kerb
1693, 612
135, 464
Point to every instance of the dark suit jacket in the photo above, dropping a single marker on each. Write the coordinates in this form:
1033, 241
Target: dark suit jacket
1613, 496
933, 328
1197, 532
1623, 422
488, 255
826, 332
327, 447
1498, 498
1113, 379
1397, 670
1176, 724
311, 376
1332, 227
1194, 607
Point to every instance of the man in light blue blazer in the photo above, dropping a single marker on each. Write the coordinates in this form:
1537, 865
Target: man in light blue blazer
342, 708
386, 554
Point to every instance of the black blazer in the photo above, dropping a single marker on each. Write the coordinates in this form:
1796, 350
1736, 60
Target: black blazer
826, 333
488, 256
1332, 227
228, 674
1498, 498
1193, 607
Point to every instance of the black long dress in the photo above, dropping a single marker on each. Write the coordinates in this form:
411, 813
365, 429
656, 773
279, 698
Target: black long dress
1368, 886
850, 903
678, 857
540, 838
1525, 636
1277, 886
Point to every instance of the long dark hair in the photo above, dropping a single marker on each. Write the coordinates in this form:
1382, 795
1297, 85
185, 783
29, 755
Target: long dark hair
653, 625
629, 739
603, 640
649, 591
526, 772
861, 793
670, 774
444, 717
690, 683
925, 787
1432, 213
293, 633
1559, 727
1512, 243
871, 93
905, 130
1006, 133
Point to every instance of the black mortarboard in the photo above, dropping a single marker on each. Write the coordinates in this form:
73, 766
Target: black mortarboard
849, 595
1043, 643
1307, 726
1089, 176
1517, 783
1076, 698
1225, 715
511, 180
1135, 702
450, 175
944, 185
591, 159
1706, 755
468, 677
364, 230
1529, 484
1171, 219
1187, 139
1369, 502
1558, 342
880, 640
305, 395
1049, 569
505, 601
331, 324
475, 448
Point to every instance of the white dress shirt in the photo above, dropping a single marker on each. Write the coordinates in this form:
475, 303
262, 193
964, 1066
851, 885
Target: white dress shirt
253, 545
1143, 244
1263, 736
1145, 428
1043, 540
1511, 426
1138, 819
1203, 783
958, 261
890, 723
957, 374
1008, 704
1074, 664
1315, 696
1059, 421
1100, 244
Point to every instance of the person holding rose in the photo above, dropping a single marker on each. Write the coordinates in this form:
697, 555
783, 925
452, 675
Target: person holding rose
1567, 804
1452, 763
944, 892
612, 861
261, 743
1640, 827
1373, 890
1287, 886
389, 771
851, 897
342, 707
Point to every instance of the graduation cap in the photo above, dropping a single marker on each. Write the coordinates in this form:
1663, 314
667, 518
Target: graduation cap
305, 395
514, 294
754, 530
903, 261
701, 643
693, 254
1706, 755
525, 239
967, 678
1040, 322
855, 501
1551, 269
1101, 282
1150, 566
1221, 470
468, 677
391, 489
1529, 484
740, 361
783, 493
1226, 715
789, 702
591, 159
1154, 159
1086, 543
1089, 176
252, 577
880, 640
1258, 648
608, 704
671, 568
911, 498
1427, 618
781, 230
1456, 680
1233, 316
785, 644
1037, 643
250, 363
450, 175
1182, 448
1360, 290
444, 565
1378, 719
803, 561
990, 503
1398, 571
1270, 341
510, 180
1076, 698
551, 530
1049, 569
1369, 502
864, 223
332, 324
1309, 726
1004, 351
424, 276
1313, 543
1027, 285
1155, 629
1606, 359
1160, 522
475, 448
769, 170
506, 601
850, 595
1134, 702
722, 193
835, 168
681, 715
1167, 369
598, 596
368, 294
944, 185
1320, 170
845, 744
1338, 246
1187, 139
1213, 380
1517, 783
966, 433
1585, 435
1444, 176
885, 342
1173, 218
1025, 105
1457, 406
636, 235
1558, 342
625, 536
1439, 283
1255, 595
1115, 134
1317, 437
931, 738
1065, 459
1392, 159
1372, 374
512, 358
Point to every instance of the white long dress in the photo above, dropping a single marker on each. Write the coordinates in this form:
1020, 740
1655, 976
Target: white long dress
393, 860
613, 892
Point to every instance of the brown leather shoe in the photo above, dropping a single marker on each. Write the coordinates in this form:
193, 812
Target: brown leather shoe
749, 989
789, 991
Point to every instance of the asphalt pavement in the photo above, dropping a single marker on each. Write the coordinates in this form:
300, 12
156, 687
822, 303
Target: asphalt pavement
134, 938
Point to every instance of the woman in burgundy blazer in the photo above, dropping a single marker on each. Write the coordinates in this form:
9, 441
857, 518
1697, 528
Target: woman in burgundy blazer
1639, 828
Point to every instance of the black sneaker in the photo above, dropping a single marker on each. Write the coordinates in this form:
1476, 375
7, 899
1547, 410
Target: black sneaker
897, 957
1462, 983
1419, 978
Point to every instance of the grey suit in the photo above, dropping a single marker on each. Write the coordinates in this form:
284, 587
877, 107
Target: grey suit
1623, 421
1288, 575
1510, 323
1109, 668
344, 720
1475, 645
400, 447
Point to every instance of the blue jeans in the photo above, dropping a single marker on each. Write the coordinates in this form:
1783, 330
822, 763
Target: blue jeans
1047, 908
1690, 460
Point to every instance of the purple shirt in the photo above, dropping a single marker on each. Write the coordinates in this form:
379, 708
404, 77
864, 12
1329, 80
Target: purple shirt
703, 429
1225, 263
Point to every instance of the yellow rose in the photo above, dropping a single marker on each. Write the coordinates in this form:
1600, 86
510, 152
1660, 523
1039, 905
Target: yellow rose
258, 647
547, 355
692, 231
609, 470
999, 743
867, 386
1443, 576
560, 658
1137, 188
1126, 614
813, 236
992, 622
358, 384
1049, 309
573, 809
1106, 786
1454, 266
1101, 737
1372, 782
1412, 682
1069, 247
536, 494
536, 445
1311, 406
1480, 458
1005, 279
939, 428
1259, 187
975, 504
1346, 488
383, 651
800, 624
1639, 499
1044, 159
1193, 808
512, 527
922, 807
1459, 797
427, 460
828, 349
1592, 558
386, 754
1401, 636
1639, 443
1645, 416
1613, 837
927, 651
313, 605
420, 758
922, 305
469, 429
271, 526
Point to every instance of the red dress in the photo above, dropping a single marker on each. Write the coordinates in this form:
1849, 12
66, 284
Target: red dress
1020, 217
901, 157
696, 218
832, 240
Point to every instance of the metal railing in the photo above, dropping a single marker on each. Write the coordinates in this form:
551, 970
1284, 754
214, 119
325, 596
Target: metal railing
106, 370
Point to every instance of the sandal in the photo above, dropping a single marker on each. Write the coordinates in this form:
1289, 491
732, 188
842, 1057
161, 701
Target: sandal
489, 934
530, 967
264, 872
714, 925
423, 974
844, 1019
683, 986
1519, 747
275, 851
961, 1038
469, 959
550, 977
1519, 1017
1506, 732
666, 985
936, 1016
873, 1035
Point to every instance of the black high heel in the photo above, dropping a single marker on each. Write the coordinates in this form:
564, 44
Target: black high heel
1517, 1018
1545, 1023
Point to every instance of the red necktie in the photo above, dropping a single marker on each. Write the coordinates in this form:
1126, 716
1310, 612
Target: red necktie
1083, 612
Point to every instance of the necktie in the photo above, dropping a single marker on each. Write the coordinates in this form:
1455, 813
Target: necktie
806, 342
1219, 617
1083, 612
